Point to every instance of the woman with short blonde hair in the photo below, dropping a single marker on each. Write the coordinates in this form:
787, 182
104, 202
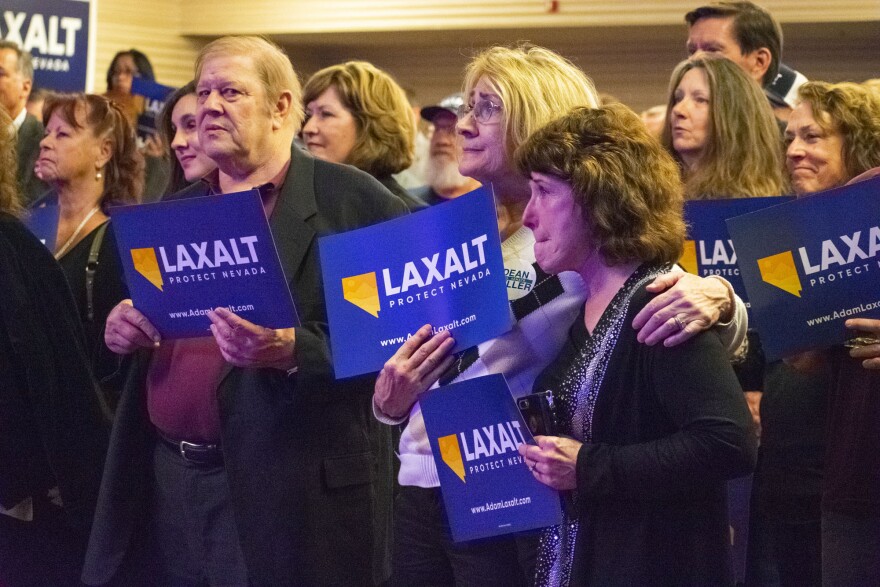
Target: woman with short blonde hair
357, 114
561, 85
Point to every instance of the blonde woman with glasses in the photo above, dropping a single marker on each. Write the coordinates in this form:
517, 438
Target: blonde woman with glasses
509, 94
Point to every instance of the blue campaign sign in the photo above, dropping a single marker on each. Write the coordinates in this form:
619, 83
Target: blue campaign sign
708, 249
43, 222
440, 266
56, 33
154, 95
810, 264
475, 428
185, 257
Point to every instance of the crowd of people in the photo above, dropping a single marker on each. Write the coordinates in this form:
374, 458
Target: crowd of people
238, 459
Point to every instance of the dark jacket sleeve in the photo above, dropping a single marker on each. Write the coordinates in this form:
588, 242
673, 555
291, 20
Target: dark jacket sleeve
712, 441
45, 332
750, 369
347, 199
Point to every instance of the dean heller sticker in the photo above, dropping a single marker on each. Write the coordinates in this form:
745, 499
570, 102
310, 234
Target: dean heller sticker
521, 277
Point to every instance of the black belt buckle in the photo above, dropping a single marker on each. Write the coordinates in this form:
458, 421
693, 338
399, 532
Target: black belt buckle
201, 454
197, 454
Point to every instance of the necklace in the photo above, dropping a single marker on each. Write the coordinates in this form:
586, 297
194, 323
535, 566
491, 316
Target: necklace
66, 245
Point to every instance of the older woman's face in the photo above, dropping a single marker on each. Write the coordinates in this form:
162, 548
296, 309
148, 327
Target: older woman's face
483, 155
689, 120
814, 156
562, 239
330, 132
185, 144
68, 153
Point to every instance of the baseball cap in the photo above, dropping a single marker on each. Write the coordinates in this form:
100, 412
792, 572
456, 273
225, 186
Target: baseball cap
449, 104
783, 90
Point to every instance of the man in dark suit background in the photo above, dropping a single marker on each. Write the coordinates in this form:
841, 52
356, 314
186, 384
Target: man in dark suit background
751, 37
246, 460
16, 81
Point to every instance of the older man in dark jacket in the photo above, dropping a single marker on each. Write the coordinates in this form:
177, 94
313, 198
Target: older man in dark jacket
244, 457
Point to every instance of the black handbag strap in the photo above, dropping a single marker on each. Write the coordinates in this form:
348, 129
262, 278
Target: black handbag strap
92, 268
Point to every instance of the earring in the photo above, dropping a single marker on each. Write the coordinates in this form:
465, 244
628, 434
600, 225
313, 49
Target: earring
98, 175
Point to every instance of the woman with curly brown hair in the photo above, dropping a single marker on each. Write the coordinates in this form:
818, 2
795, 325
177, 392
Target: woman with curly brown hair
833, 138
648, 434
89, 157
357, 114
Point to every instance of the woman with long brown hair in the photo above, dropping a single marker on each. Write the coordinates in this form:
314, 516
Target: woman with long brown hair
179, 130
721, 130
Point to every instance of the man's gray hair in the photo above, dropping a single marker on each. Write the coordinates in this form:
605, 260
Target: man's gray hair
25, 63
270, 63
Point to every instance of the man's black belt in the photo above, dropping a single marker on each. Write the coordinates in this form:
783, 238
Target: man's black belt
195, 453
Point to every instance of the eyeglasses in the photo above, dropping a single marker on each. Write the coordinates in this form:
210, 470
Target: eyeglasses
484, 111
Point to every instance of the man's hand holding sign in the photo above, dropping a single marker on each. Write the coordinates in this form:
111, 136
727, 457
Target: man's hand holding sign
869, 352
245, 344
128, 330
242, 343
